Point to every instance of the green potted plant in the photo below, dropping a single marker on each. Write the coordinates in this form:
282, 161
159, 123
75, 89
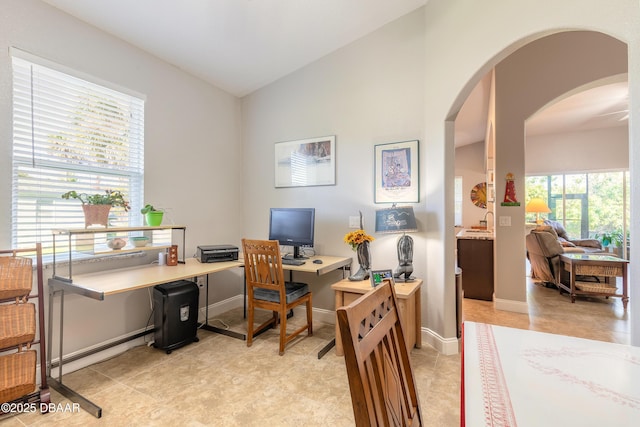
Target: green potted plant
96, 206
152, 215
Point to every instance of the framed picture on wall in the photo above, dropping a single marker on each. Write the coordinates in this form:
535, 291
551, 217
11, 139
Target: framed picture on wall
306, 162
396, 172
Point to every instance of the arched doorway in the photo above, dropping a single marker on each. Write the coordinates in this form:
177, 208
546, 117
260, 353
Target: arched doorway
526, 80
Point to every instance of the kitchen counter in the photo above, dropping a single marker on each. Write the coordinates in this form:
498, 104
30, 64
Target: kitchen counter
468, 233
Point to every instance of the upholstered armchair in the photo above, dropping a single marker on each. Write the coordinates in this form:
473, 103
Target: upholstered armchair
546, 243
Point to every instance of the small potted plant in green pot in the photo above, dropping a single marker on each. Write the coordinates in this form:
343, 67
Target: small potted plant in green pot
152, 215
96, 207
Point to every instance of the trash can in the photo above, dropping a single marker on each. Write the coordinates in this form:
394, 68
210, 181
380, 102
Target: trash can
175, 306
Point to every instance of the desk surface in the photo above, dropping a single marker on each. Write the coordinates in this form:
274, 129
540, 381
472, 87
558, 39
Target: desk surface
527, 378
329, 263
104, 283
143, 276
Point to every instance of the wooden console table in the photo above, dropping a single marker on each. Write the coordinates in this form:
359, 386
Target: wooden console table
408, 294
593, 265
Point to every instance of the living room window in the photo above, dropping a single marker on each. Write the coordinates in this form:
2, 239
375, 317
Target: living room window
589, 205
70, 133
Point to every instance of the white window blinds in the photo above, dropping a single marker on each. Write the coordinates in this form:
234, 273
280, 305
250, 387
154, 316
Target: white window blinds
70, 134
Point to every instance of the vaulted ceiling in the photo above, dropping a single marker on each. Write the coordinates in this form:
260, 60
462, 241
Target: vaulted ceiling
243, 45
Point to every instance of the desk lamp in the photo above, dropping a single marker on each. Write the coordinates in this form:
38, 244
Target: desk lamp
399, 220
537, 206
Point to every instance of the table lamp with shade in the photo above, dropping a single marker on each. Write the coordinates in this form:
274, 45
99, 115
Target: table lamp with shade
399, 220
537, 206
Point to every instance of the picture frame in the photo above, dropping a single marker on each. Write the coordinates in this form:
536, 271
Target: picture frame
397, 172
305, 162
379, 276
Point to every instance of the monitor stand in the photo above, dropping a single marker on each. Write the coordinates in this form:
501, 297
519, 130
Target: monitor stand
297, 254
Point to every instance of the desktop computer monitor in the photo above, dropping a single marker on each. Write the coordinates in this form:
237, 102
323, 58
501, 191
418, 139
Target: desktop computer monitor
292, 227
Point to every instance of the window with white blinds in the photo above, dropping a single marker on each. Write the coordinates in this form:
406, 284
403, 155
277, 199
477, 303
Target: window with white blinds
70, 134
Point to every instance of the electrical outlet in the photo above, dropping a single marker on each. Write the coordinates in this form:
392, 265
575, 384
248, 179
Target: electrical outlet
354, 222
201, 281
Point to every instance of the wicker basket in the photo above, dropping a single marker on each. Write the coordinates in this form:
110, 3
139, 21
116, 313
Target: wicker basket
17, 324
599, 270
601, 288
18, 375
16, 277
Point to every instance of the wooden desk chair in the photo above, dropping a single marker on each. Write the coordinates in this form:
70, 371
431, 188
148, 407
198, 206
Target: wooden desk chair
267, 289
383, 390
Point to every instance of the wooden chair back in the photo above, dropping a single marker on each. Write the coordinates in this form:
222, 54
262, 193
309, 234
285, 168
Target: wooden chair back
383, 389
268, 290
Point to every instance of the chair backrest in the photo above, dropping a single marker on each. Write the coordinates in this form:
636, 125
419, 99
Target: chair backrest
383, 390
263, 265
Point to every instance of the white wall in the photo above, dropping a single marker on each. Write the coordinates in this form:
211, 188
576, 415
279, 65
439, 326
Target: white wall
192, 150
470, 165
368, 93
405, 81
463, 25
594, 150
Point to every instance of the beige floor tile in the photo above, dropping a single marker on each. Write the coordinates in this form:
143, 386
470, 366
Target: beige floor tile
219, 381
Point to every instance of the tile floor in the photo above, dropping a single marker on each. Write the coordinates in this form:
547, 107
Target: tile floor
219, 381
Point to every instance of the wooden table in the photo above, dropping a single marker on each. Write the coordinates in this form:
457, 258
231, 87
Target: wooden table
408, 294
516, 377
606, 266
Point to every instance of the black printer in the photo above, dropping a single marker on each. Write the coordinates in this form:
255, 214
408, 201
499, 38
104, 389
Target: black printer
217, 253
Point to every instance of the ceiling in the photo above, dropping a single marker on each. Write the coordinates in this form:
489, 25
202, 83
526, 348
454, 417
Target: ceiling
243, 45
238, 45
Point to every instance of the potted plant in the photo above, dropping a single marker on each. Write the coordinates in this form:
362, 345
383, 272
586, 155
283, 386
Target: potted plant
152, 215
96, 207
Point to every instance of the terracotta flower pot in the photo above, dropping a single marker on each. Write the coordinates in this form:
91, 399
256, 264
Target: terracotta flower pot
96, 215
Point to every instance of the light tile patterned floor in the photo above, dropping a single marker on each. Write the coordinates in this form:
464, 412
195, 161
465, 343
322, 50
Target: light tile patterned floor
219, 381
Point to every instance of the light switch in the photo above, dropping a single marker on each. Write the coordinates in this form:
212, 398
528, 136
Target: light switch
504, 221
354, 222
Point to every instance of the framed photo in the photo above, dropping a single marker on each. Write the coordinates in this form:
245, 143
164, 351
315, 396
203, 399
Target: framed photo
378, 276
396, 173
306, 162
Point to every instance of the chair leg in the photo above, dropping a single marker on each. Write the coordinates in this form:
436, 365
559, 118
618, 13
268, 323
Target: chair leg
250, 325
283, 331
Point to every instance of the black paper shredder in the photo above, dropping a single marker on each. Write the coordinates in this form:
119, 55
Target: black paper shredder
175, 314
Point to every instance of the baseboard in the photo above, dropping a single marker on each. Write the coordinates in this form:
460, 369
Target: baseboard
510, 305
445, 346
99, 356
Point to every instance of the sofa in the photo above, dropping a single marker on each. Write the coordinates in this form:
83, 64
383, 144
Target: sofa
546, 243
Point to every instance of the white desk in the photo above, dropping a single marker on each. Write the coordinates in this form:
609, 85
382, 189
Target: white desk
105, 283
525, 378
101, 284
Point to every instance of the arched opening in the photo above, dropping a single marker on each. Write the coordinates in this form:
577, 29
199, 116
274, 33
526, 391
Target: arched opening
524, 82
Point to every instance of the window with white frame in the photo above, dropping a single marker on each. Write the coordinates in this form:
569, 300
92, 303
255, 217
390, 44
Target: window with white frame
70, 133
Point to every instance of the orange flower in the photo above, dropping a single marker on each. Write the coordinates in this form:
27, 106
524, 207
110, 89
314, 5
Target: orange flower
356, 237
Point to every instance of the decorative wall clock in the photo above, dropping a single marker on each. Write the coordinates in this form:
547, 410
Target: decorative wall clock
479, 195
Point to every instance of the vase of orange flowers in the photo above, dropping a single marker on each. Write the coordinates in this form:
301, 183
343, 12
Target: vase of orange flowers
359, 241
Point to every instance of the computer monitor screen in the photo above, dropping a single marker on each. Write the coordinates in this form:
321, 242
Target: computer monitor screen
292, 227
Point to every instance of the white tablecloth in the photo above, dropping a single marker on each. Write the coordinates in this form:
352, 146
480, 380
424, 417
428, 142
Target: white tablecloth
515, 377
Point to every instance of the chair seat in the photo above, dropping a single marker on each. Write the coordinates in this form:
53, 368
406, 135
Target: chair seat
293, 290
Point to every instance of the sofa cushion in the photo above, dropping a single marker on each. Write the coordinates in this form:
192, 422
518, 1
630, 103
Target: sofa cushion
559, 229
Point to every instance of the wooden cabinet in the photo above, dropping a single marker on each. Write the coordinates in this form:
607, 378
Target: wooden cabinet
475, 258
408, 296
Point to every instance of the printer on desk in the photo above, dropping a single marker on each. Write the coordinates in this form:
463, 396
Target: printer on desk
217, 253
